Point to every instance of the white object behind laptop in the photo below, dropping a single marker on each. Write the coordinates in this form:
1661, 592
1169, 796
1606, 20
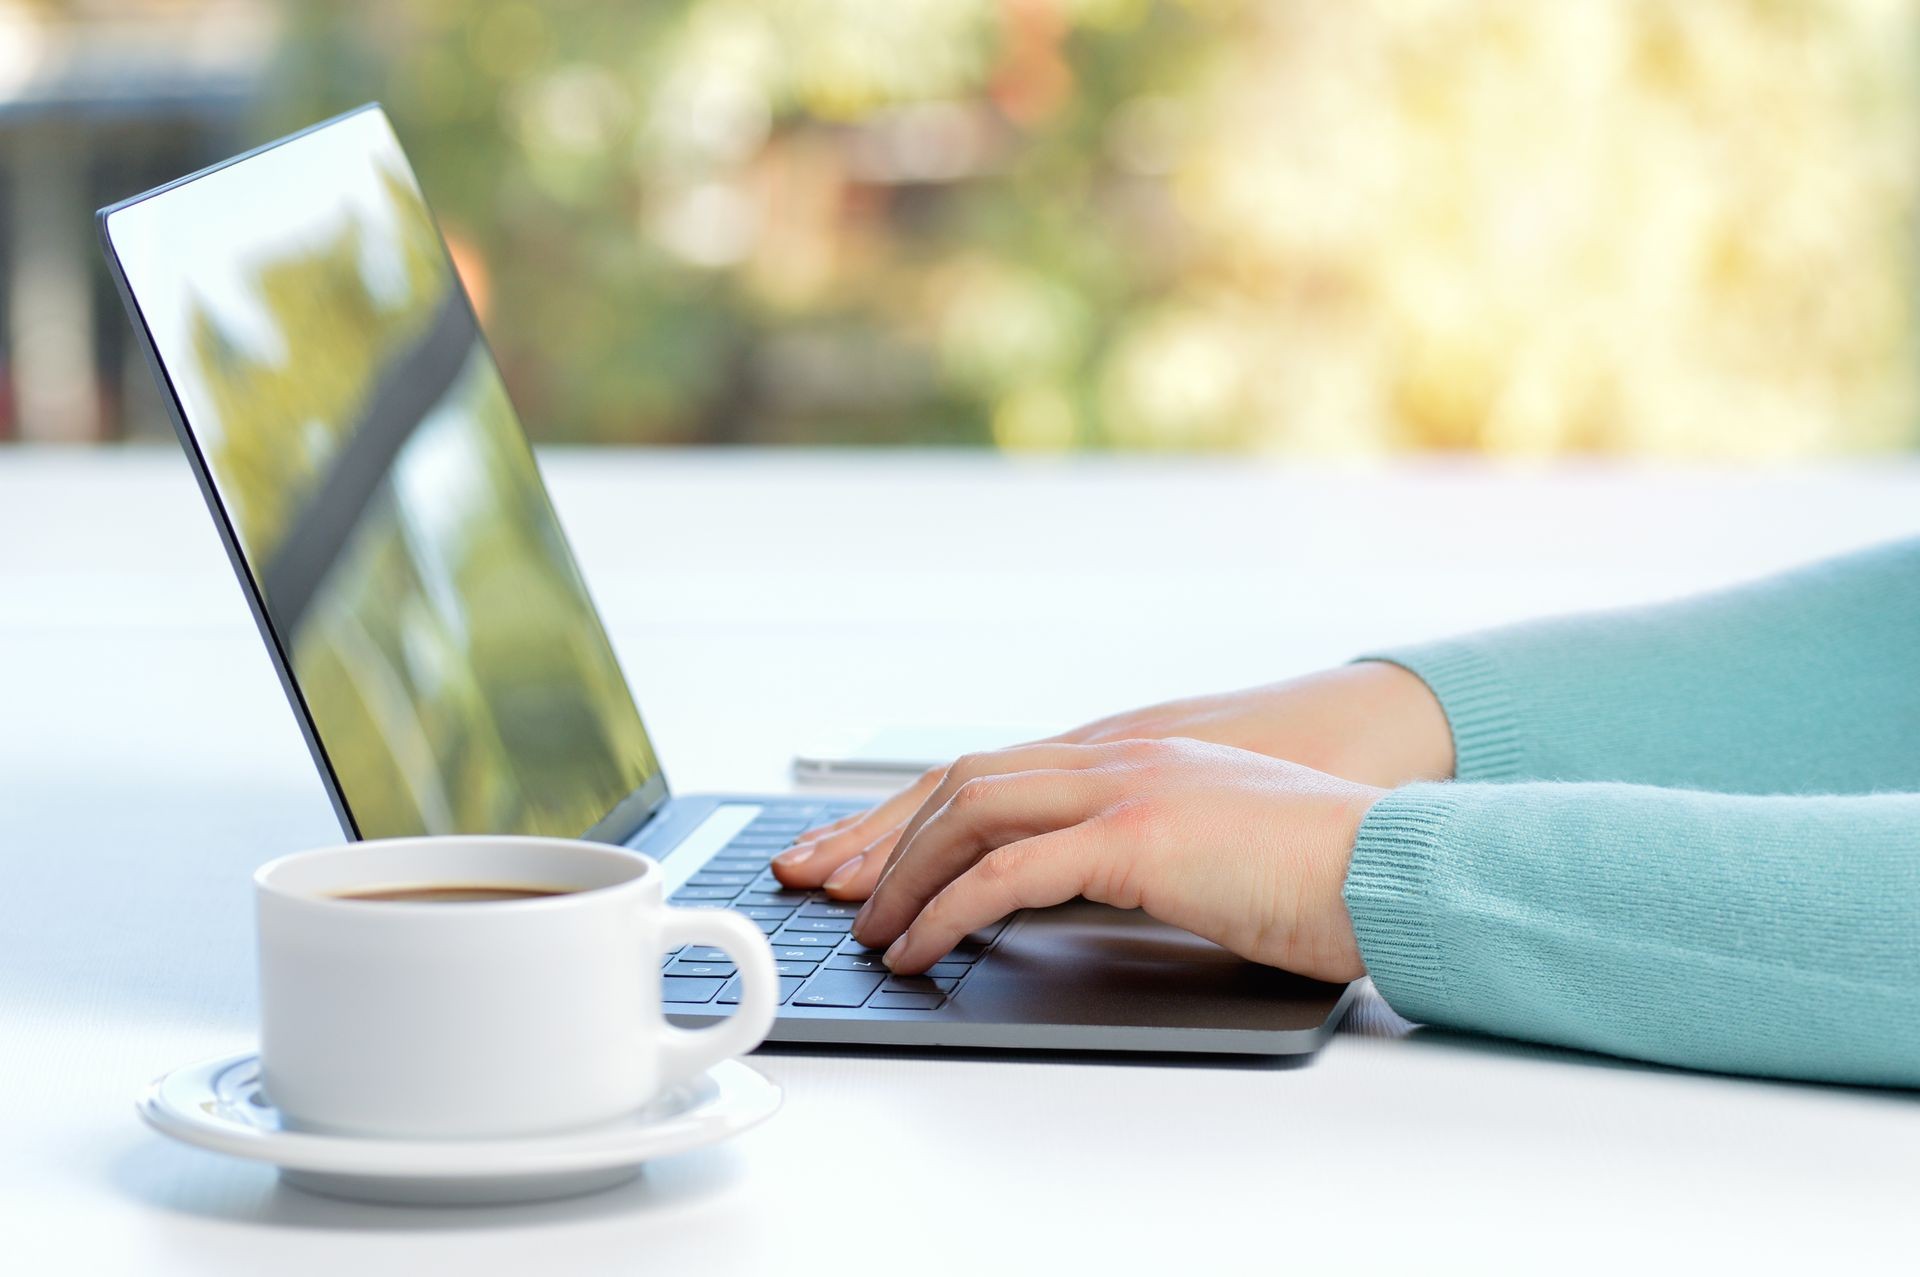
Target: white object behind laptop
895, 755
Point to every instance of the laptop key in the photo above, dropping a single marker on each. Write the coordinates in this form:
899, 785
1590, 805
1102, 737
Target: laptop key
856, 962
707, 878
850, 945
838, 926
748, 871
831, 909
791, 899
774, 912
800, 970
948, 970
731, 861
884, 1001
683, 967
688, 989
796, 953
768, 925
704, 953
918, 984
731, 993
821, 940
837, 989
687, 894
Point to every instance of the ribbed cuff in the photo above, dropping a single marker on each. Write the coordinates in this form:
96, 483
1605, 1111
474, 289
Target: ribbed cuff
1474, 697
1390, 896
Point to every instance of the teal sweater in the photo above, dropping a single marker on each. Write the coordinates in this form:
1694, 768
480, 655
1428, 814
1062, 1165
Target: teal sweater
1688, 833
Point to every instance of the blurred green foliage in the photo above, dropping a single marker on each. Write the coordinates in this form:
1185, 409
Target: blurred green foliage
1217, 224
574, 151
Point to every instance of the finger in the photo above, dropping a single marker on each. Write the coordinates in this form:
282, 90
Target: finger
974, 767
816, 855
807, 839
855, 878
983, 814
876, 837
1030, 874
829, 862
817, 832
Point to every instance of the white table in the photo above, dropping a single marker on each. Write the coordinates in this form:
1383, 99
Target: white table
148, 762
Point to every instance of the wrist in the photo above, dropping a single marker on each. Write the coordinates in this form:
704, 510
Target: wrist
1325, 945
1399, 731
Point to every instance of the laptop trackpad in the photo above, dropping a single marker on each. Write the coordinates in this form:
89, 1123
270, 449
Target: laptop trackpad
1084, 963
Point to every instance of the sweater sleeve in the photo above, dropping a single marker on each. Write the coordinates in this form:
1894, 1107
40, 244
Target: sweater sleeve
1766, 935
1805, 682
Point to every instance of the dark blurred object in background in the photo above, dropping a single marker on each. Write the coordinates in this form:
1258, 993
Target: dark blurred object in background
1595, 225
98, 101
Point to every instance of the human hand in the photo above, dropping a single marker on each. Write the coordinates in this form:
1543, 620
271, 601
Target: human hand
1244, 850
1371, 722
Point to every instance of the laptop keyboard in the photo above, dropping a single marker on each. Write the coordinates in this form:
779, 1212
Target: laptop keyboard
820, 964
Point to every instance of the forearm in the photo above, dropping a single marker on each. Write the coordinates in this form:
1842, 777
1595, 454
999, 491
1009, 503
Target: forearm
1758, 935
1806, 682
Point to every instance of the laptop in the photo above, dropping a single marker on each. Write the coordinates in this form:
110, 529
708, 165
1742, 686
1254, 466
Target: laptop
383, 510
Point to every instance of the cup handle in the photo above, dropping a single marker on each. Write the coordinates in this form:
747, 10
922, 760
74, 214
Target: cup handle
687, 1052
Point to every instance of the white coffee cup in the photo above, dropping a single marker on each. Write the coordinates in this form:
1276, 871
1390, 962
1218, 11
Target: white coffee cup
482, 1019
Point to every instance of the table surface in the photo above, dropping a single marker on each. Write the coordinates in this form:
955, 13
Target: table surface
762, 603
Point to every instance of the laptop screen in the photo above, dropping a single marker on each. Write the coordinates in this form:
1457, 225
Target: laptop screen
377, 482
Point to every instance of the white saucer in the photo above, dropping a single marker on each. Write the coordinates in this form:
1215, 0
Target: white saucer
218, 1105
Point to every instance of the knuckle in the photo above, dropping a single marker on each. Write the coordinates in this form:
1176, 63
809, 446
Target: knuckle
974, 792
969, 765
1137, 820
999, 867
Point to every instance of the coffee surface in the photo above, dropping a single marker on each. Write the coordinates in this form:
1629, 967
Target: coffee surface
462, 893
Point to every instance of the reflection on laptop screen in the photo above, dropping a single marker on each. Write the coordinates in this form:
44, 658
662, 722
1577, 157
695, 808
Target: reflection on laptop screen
358, 434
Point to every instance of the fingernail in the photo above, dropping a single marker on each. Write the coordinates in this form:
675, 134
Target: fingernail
894, 952
794, 855
860, 919
844, 874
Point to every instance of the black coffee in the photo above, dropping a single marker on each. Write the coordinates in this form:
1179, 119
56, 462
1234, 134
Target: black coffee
453, 894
